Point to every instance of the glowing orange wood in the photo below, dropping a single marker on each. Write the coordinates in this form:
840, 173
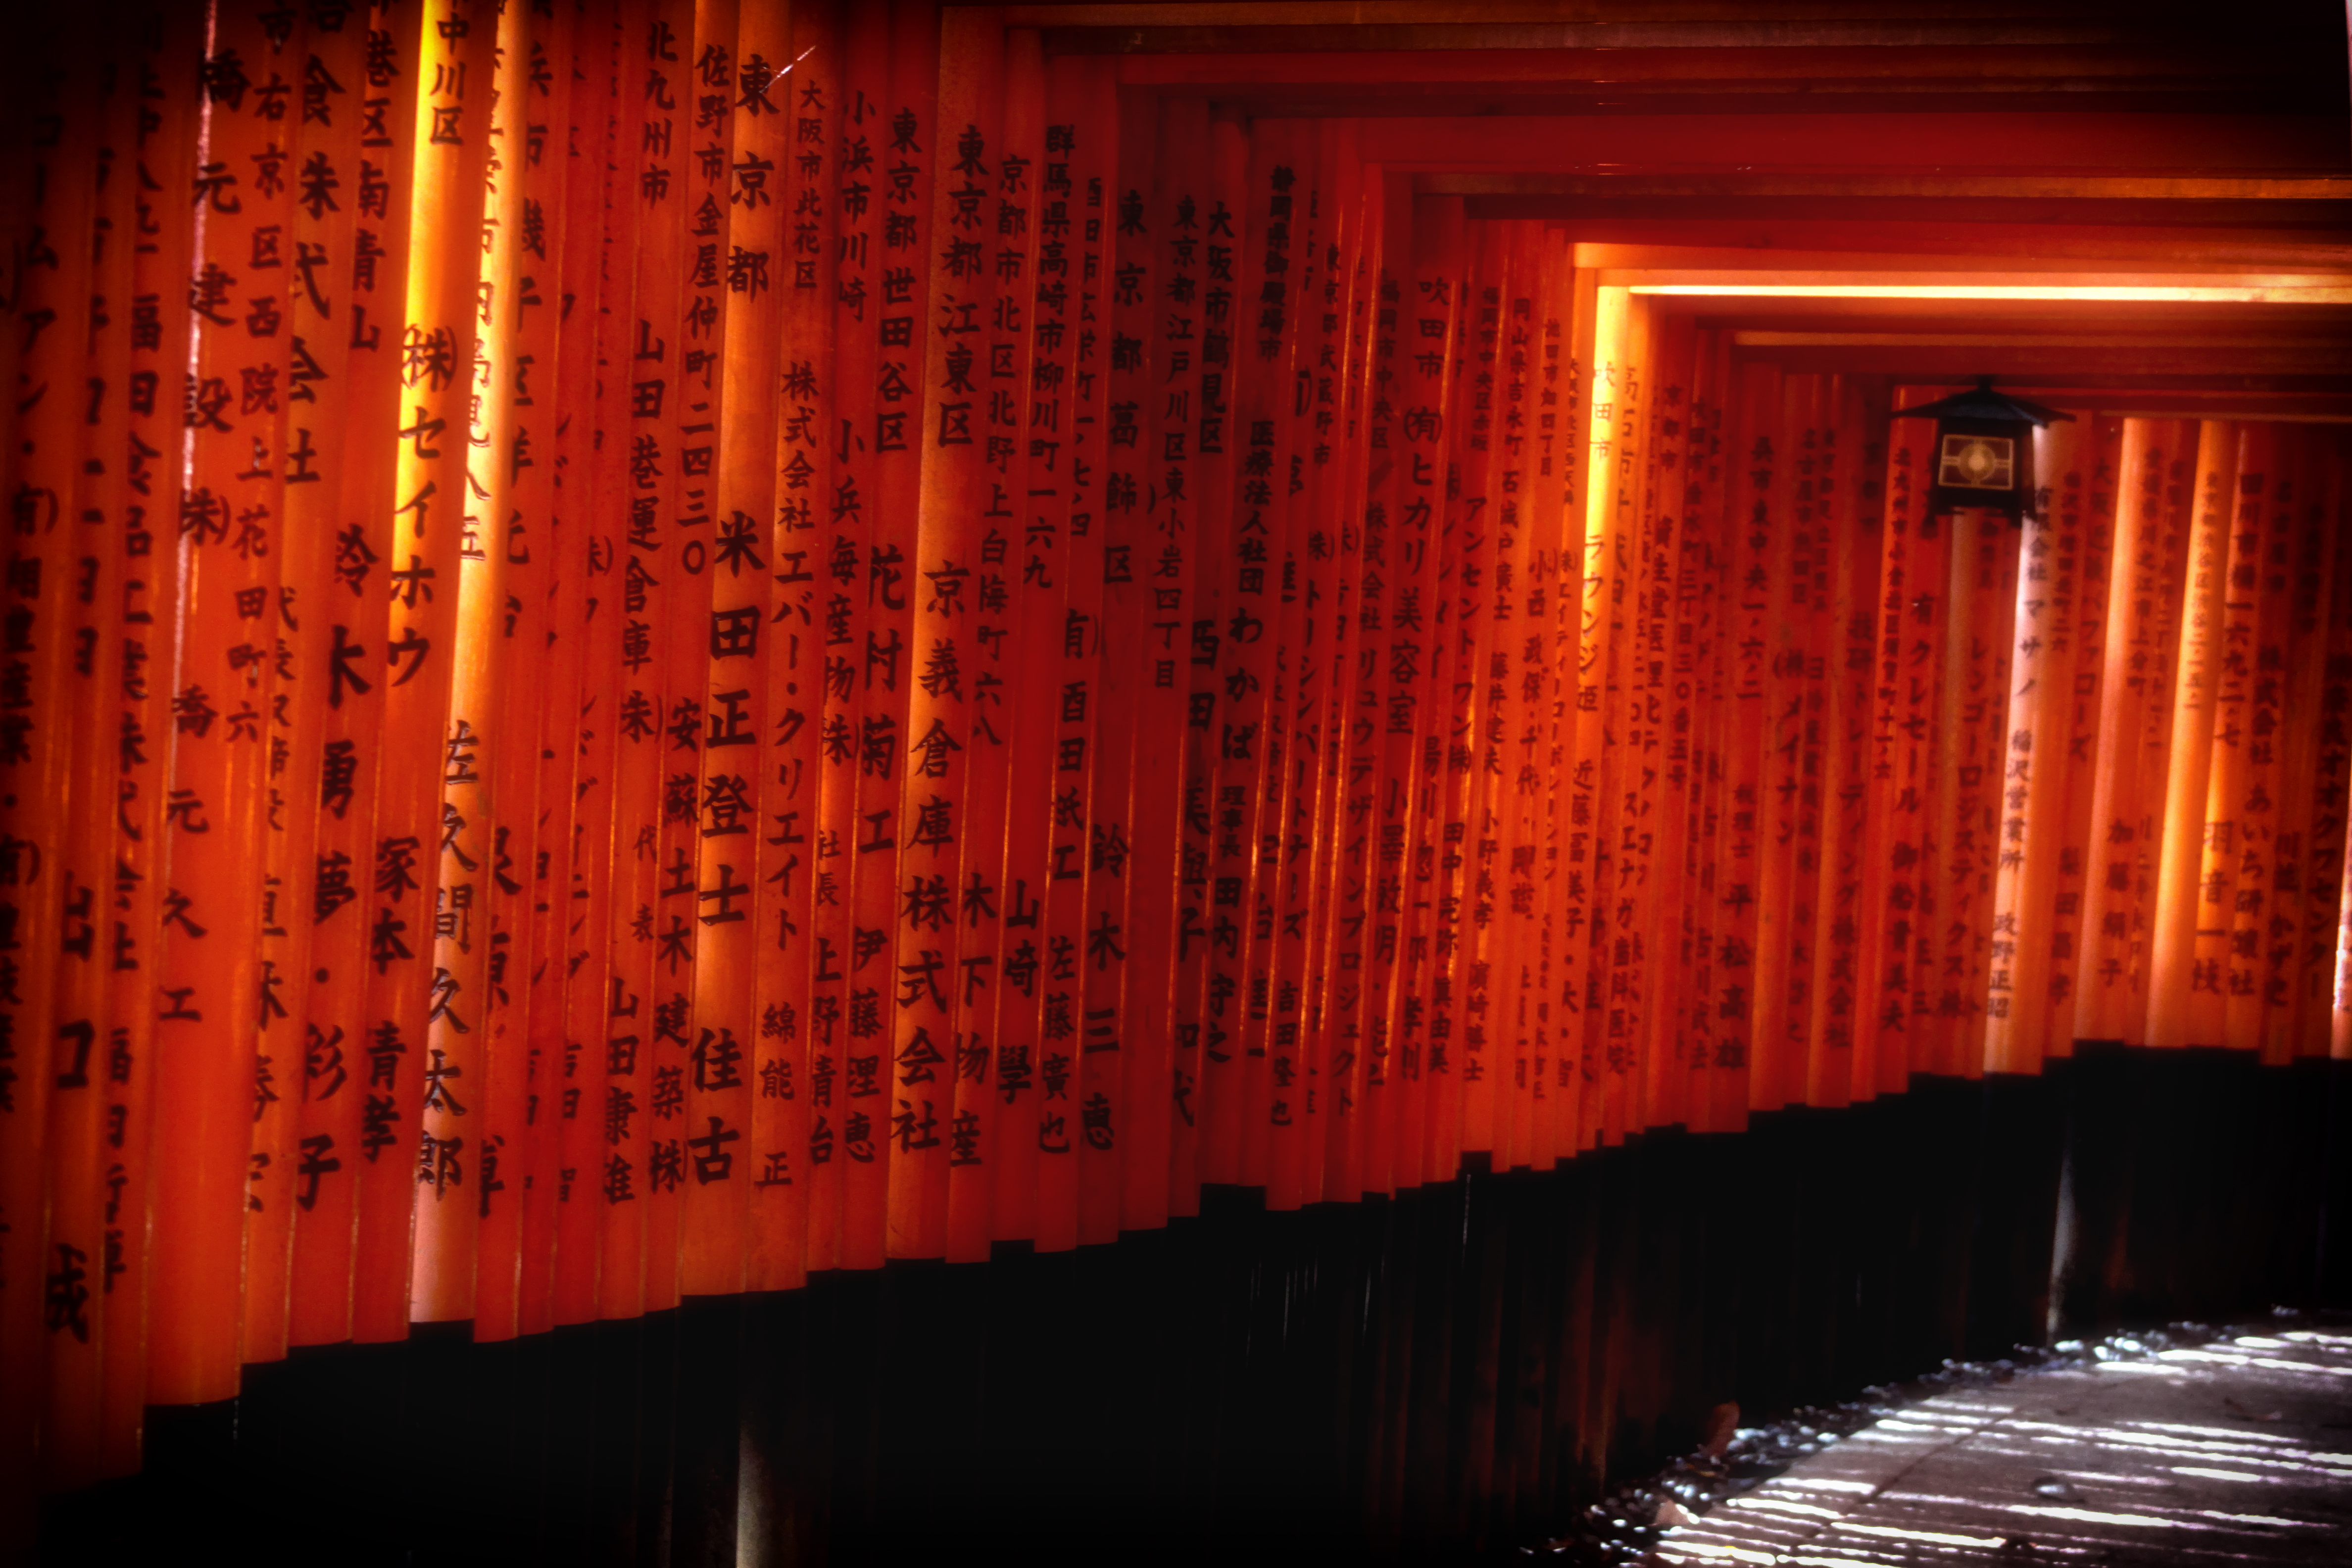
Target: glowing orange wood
1448, 729
569, 872
474, 1110
1751, 463
1983, 597
1138, 600
1857, 508
1785, 463
2157, 462
1494, 829
1712, 464
2079, 733
1221, 180
89, 1004
596, 328
2174, 919
148, 605
888, 482
1912, 613
2272, 735
451, 150
1388, 231
1629, 800
1429, 352
1560, 1122
209, 971
314, 1046
1325, 403
1152, 455
2032, 783
1680, 626
2324, 859
733, 401
799, 73
960, 586
1078, 213
836, 239
1293, 760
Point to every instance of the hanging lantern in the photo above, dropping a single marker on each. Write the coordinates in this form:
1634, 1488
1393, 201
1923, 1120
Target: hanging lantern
1984, 449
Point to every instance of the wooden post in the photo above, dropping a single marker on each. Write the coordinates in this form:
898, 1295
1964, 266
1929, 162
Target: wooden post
2173, 922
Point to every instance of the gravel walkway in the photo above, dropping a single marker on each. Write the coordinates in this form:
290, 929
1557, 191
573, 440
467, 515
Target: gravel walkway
2236, 1450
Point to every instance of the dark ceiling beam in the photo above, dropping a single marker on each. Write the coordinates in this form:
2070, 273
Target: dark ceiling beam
1591, 81
2214, 324
2273, 155
1847, 137
2324, 354
2193, 403
2127, 59
1872, 185
2211, 402
2146, 14
2245, 371
1308, 102
1731, 239
1429, 71
2323, 220
2151, 73
1287, 28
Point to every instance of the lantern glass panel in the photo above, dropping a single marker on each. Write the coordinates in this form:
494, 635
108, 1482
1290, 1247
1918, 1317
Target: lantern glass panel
1971, 462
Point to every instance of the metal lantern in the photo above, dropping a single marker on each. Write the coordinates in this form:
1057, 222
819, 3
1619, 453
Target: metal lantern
1984, 449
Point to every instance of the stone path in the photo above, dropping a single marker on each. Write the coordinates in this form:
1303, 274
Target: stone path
2238, 1450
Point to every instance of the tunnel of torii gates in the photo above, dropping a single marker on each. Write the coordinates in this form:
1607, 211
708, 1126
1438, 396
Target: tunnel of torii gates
656, 650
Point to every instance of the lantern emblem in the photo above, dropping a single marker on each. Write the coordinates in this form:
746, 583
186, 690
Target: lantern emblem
1978, 463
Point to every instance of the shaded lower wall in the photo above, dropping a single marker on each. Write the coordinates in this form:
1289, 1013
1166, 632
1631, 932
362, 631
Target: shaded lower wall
1451, 1371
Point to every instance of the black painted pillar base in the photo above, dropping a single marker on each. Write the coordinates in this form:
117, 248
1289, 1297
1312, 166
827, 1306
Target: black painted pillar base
1452, 1370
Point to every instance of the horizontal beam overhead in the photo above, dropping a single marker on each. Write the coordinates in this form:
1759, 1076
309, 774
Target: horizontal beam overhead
2136, 60
2111, 191
2119, 15
2276, 154
1736, 98
2322, 350
2187, 323
1869, 183
2248, 369
1792, 283
2082, 227
1730, 241
1242, 27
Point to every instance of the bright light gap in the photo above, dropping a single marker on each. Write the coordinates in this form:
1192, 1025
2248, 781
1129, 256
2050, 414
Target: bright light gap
2219, 294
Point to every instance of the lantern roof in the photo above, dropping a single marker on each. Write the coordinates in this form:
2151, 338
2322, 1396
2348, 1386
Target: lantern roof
1981, 402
